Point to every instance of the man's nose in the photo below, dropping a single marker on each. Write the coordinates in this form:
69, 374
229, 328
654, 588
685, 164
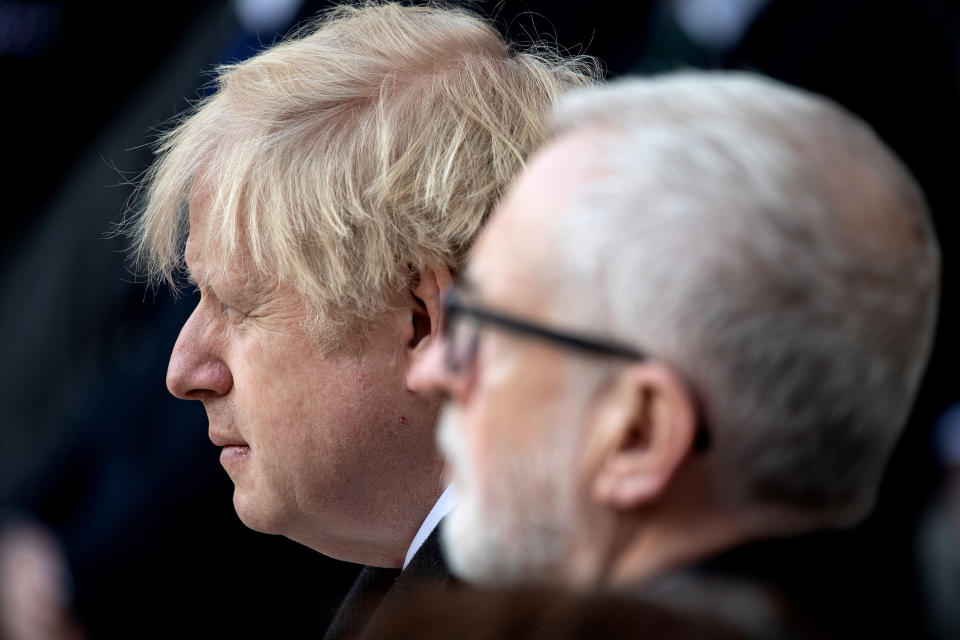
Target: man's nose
430, 374
195, 371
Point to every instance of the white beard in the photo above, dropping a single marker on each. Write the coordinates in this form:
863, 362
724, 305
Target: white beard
512, 523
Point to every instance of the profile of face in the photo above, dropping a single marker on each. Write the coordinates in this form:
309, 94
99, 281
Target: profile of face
550, 439
508, 431
329, 448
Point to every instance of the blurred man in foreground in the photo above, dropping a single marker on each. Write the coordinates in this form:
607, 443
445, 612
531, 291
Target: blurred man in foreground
320, 200
697, 321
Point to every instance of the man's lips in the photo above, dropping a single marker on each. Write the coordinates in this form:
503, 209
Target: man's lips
234, 454
221, 439
234, 450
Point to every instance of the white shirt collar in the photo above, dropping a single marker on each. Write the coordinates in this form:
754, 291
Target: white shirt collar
444, 504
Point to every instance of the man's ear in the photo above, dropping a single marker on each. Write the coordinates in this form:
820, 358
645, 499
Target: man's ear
426, 309
643, 430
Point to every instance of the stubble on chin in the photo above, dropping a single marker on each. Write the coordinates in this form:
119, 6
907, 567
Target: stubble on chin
465, 531
508, 526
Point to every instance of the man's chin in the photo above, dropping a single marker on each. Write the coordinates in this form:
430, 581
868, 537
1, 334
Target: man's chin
505, 546
472, 554
254, 514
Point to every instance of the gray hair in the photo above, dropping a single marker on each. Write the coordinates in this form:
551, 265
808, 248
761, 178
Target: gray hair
765, 243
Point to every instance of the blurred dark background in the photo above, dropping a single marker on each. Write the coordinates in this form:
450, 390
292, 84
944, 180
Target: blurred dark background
94, 449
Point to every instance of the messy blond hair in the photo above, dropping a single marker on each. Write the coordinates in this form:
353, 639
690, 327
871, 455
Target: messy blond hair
371, 144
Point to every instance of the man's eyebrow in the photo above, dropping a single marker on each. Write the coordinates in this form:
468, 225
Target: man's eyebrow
194, 279
188, 274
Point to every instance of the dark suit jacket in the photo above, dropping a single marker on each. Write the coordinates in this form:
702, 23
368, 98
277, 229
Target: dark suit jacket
784, 588
376, 586
746, 593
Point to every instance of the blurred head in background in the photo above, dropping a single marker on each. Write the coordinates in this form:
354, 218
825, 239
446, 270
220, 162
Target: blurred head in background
698, 319
320, 200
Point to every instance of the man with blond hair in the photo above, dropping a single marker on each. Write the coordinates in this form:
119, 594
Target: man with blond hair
698, 321
320, 200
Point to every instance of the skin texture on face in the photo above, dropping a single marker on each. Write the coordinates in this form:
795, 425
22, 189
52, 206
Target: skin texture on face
569, 469
509, 435
330, 449
514, 514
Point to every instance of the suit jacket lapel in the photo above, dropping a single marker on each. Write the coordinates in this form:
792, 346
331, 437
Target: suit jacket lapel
358, 605
375, 586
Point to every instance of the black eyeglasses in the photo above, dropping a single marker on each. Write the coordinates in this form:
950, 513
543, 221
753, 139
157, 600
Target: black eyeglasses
463, 338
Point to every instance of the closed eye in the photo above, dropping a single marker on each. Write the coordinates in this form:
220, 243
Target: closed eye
236, 316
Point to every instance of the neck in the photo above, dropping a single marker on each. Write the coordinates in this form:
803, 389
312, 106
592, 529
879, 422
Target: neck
657, 548
383, 540
628, 548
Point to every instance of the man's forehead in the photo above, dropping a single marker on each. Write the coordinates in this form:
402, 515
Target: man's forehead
558, 170
197, 271
235, 277
205, 263
198, 206
517, 243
